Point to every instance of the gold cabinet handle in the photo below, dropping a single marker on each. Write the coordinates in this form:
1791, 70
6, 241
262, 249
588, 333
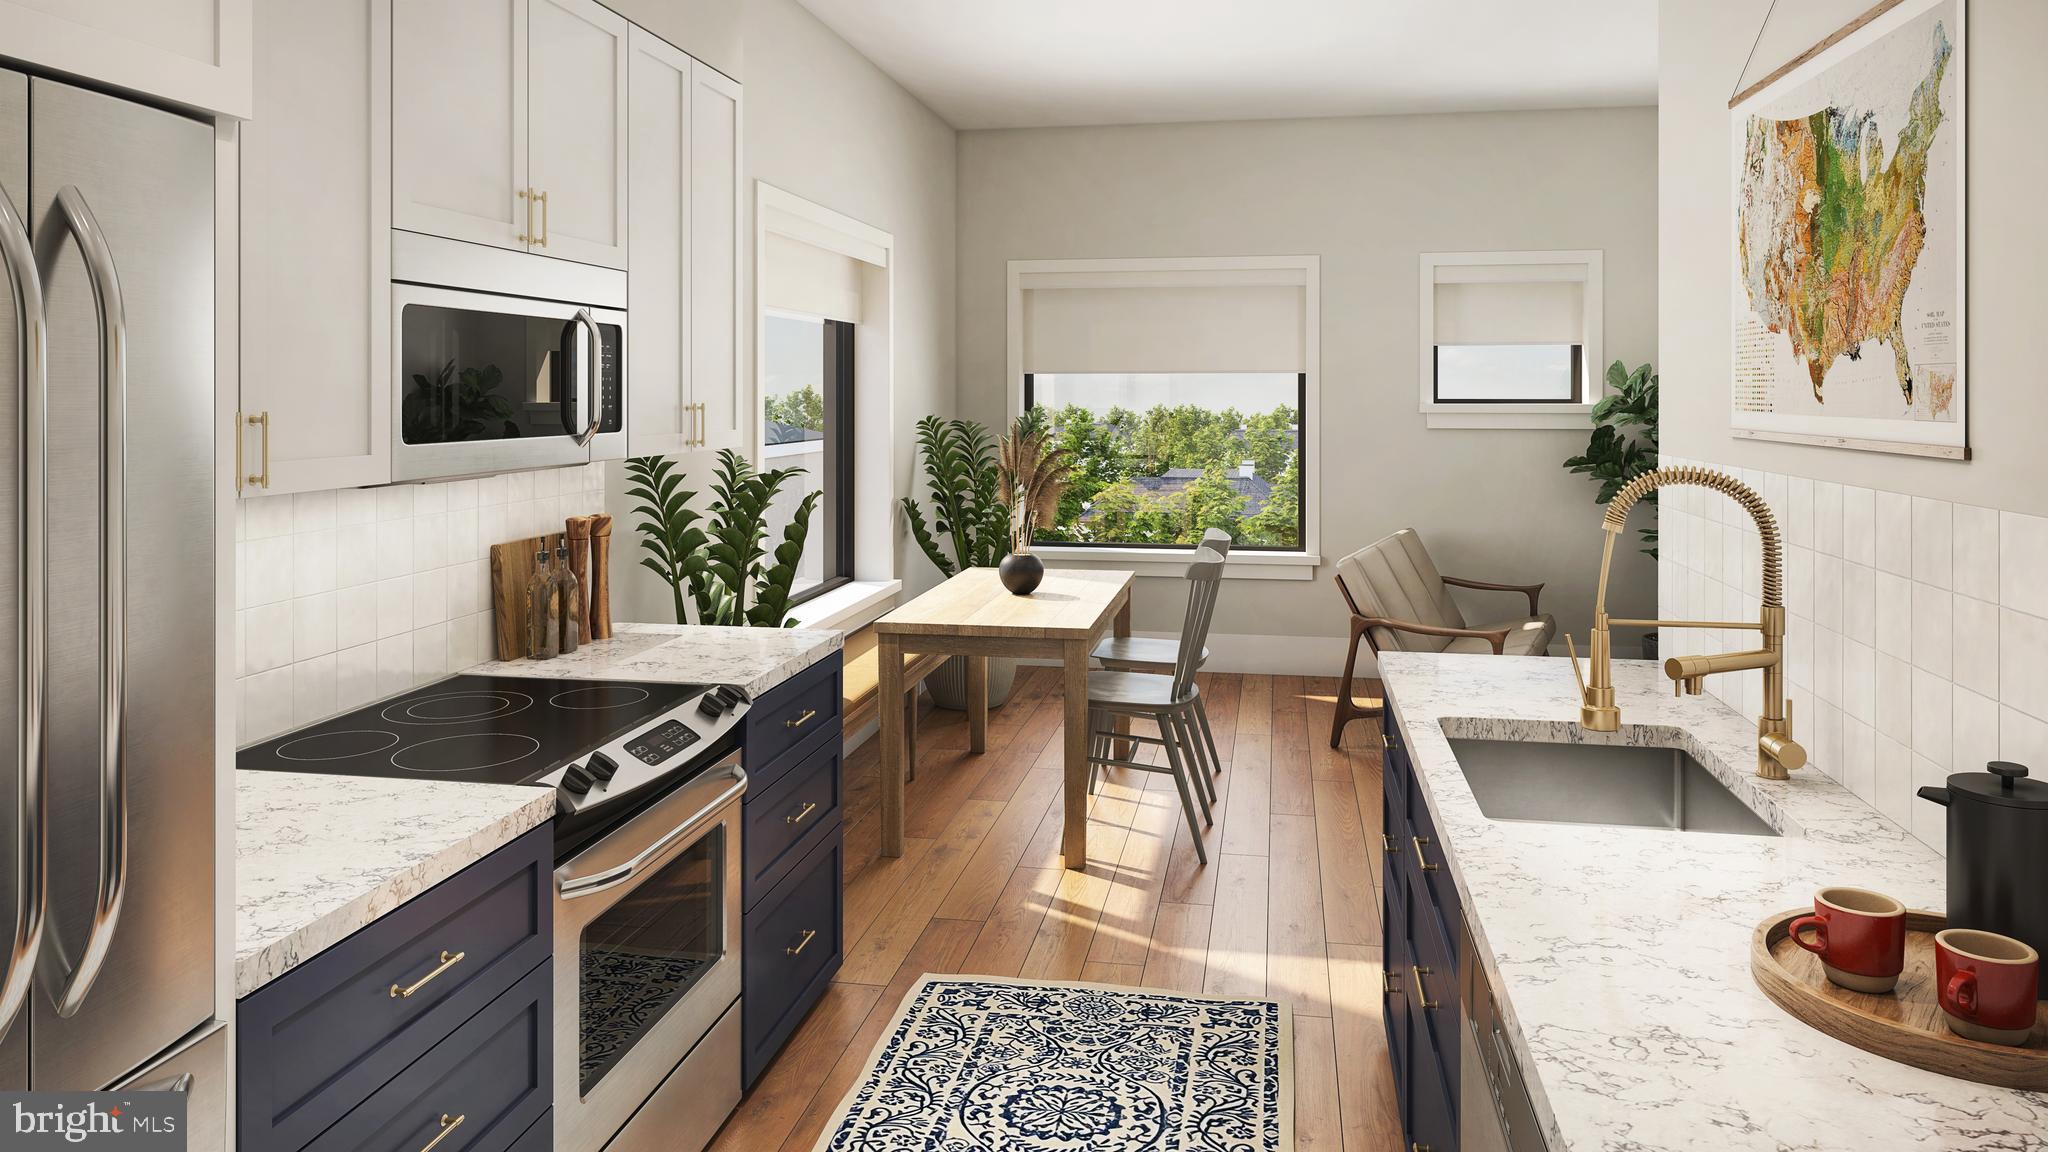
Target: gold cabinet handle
810, 934
1422, 990
448, 1125
257, 479
800, 721
542, 240
1392, 846
1414, 1147
526, 197
448, 960
802, 813
1419, 842
1389, 983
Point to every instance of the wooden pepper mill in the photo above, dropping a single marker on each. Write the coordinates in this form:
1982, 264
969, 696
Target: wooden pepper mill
600, 577
578, 540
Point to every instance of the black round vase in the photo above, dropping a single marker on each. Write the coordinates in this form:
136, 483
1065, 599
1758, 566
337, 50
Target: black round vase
1021, 573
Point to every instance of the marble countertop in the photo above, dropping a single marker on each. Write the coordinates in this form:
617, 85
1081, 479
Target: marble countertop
317, 857
1621, 955
755, 659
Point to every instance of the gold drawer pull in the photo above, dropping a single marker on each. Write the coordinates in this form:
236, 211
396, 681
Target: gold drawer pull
809, 935
257, 479
1414, 1147
542, 239
808, 808
448, 960
526, 197
448, 1125
1419, 842
1392, 846
1389, 983
1422, 990
801, 720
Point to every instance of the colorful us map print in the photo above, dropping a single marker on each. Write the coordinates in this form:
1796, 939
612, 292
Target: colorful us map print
1848, 240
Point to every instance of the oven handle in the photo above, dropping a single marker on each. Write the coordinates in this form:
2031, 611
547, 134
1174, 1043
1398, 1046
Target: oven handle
590, 383
618, 874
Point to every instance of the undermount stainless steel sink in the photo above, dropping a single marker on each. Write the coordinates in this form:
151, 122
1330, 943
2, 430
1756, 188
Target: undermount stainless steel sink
1601, 784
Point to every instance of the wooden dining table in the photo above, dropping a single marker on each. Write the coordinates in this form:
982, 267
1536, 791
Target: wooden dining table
974, 616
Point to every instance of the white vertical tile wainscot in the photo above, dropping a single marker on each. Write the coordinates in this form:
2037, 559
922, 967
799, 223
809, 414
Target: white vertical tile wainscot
346, 596
1916, 636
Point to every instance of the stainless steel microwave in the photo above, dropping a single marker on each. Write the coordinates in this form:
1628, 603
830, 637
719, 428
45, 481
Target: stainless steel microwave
487, 383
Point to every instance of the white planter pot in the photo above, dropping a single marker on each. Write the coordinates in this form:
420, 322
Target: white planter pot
948, 685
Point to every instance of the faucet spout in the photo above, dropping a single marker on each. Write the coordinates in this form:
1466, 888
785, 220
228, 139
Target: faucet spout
1777, 753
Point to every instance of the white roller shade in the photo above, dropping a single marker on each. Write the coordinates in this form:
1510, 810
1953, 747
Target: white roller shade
801, 277
1154, 327
1481, 312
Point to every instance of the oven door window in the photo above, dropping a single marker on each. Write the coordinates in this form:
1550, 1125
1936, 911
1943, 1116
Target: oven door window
642, 955
473, 376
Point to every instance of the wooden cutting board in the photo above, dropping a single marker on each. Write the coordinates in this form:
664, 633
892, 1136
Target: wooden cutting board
511, 568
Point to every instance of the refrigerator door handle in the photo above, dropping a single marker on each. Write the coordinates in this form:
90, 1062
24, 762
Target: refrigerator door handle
30, 891
66, 980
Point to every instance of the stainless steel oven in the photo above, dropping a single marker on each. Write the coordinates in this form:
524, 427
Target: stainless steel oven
486, 383
647, 973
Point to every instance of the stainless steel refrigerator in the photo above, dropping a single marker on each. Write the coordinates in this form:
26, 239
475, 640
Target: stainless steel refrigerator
106, 595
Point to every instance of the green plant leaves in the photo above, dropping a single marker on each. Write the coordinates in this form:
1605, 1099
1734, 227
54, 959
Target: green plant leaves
1623, 445
721, 564
967, 508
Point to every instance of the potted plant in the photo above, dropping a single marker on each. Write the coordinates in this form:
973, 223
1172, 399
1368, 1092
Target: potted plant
1034, 474
1623, 447
968, 513
721, 561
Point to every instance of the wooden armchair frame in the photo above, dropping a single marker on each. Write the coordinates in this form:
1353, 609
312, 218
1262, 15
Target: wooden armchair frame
1362, 626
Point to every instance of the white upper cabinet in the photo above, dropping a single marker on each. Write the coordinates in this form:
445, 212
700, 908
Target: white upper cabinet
509, 125
576, 102
659, 420
190, 52
459, 100
315, 247
721, 383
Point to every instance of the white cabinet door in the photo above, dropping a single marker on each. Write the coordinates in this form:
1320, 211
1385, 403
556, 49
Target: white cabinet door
657, 285
576, 100
721, 380
191, 52
458, 94
316, 277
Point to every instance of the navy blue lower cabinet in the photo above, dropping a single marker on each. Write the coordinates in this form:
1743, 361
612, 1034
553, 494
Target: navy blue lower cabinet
320, 1040
794, 947
1420, 1000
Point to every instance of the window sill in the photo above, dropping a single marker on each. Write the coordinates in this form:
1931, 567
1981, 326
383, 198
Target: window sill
848, 606
1565, 417
1174, 562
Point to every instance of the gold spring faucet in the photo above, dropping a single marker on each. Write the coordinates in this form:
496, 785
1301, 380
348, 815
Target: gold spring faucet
1777, 754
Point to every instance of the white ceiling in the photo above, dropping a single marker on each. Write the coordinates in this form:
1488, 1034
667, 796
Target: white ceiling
1028, 63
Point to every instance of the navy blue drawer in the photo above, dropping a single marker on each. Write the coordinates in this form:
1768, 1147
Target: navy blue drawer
540, 1137
1432, 984
493, 1074
1432, 1113
317, 1041
780, 817
1432, 872
789, 714
1394, 989
793, 947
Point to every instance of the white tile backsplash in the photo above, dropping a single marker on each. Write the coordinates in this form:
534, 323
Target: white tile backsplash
343, 597
1916, 629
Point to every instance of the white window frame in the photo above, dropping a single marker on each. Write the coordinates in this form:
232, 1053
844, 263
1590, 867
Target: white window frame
1582, 265
875, 581
1191, 272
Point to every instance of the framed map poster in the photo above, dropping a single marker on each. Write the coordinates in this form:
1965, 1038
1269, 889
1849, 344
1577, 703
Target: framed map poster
1848, 240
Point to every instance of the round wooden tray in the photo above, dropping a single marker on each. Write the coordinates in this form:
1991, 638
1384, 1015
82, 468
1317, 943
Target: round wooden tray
1903, 1025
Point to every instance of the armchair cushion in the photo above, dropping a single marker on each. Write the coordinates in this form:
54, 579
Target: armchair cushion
1526, 637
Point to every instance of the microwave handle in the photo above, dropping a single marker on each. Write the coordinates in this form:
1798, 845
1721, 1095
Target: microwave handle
587, 382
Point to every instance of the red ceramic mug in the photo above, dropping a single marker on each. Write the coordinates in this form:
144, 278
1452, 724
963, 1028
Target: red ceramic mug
1986, 984
1859, 935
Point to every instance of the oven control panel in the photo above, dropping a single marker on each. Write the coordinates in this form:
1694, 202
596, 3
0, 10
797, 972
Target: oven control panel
661, 742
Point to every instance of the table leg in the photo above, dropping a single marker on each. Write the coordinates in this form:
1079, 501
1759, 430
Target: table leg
889, 666
1074, 839
1121, 627
977, 704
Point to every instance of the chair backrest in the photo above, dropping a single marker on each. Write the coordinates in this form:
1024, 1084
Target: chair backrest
1393, 578
1205, 579
1216, 540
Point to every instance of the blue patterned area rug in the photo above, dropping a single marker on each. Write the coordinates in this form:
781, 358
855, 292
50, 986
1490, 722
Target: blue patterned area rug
981, 1064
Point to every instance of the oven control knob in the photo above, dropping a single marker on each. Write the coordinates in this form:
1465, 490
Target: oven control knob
603, 767
729, 694
576, 781
712, 705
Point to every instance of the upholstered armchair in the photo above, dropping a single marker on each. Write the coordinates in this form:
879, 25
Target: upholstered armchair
1399, 603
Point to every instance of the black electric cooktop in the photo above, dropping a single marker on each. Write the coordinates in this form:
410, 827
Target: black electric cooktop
486, 729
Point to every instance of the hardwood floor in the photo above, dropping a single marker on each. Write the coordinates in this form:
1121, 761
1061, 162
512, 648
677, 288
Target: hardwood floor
1287, 907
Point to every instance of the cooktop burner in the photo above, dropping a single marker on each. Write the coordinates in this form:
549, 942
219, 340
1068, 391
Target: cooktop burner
490, 729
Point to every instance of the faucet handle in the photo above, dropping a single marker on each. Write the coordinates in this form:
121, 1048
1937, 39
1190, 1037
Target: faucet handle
1576, 674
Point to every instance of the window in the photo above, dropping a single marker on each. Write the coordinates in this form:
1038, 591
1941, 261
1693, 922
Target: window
1508, 337
1187, 389
1160, 457
807, 423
